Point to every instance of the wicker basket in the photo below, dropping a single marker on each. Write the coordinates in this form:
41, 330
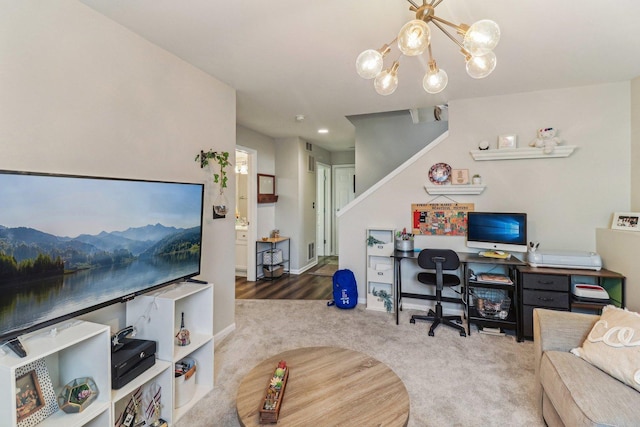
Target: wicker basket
491, 303
273, 271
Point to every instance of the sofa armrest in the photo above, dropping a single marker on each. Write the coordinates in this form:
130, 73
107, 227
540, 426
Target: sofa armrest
560, 330
557, 330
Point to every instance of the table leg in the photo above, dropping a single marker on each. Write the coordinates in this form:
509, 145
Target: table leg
398, 288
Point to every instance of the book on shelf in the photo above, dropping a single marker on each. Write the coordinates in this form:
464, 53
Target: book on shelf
494, 278
492, 331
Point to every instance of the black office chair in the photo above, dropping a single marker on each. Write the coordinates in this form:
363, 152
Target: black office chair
439, 260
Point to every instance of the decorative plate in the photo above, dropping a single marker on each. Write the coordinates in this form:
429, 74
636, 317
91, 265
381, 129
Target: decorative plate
440, 173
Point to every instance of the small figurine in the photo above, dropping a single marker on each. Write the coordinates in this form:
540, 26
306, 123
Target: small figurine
183, 334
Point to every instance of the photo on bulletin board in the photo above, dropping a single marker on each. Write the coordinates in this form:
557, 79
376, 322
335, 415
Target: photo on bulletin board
440, 219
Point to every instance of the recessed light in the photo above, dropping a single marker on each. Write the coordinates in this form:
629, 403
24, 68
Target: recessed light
323, 130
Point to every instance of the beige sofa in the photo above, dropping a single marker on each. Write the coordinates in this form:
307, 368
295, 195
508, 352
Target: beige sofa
572, 391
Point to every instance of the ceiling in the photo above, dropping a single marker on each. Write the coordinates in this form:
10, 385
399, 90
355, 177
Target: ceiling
286, 57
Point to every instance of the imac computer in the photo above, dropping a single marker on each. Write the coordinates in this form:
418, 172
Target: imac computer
498, 233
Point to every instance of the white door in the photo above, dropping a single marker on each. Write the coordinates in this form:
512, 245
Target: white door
323, 209
344, 192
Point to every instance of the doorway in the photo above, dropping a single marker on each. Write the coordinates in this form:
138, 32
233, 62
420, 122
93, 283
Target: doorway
246, 212
323, 209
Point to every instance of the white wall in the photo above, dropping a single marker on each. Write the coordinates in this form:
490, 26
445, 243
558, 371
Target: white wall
83, 95
566, 199
635, 145
618, 248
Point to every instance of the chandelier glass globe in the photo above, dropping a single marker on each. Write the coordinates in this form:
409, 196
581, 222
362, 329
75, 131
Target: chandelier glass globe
414, 37
387, 81
481, 66
369, 63
481, 37
435, 80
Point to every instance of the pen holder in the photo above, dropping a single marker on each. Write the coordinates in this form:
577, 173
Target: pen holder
404, 245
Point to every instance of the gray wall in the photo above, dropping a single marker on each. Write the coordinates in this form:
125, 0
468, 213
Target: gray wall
385, 140
343, 157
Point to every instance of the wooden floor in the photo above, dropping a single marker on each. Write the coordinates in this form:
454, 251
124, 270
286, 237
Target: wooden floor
305, 286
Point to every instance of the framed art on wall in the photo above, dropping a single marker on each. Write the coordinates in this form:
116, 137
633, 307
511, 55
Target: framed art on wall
507, 141
459, 176
626, 221
35, 398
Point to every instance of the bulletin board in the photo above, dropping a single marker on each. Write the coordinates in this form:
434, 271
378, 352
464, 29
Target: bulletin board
440, 219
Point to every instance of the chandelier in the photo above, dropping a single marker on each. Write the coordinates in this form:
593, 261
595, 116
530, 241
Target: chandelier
478, 42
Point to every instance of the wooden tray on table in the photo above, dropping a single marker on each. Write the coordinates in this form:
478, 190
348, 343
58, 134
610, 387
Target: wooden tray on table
270, 407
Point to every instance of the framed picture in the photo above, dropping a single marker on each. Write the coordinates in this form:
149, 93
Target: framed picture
459, 176
29, 397
507, 141
35, 397
626, 221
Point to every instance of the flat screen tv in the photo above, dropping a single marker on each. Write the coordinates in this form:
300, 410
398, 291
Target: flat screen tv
73, 244
499, 231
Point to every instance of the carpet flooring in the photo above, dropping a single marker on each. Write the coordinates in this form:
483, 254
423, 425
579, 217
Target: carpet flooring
479, 380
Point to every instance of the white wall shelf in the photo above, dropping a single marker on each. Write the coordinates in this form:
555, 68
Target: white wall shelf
522, 153
454, 189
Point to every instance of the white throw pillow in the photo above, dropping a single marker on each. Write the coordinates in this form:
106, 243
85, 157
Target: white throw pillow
613, 345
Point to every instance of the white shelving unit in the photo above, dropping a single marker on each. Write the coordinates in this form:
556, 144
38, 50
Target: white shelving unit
380, 269
160, 373
454, 189
157, 317
522, 153
78, 349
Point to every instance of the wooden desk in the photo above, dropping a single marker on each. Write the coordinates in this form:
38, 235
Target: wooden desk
328, 386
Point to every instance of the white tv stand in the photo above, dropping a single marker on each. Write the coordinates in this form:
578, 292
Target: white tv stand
81, 348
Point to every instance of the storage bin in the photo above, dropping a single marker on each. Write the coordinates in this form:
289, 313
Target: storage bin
404, 245
491, 303
272, 256
273, 271
185, 381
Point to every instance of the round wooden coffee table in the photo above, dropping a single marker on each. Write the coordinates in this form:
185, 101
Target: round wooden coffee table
327, 386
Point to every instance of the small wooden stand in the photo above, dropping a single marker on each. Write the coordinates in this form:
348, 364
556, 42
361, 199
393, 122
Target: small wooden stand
270, 416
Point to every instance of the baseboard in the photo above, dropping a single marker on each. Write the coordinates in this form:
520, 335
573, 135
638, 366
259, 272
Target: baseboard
217, 338
305, 268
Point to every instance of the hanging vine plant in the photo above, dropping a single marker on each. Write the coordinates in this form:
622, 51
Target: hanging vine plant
220, 204
222, 159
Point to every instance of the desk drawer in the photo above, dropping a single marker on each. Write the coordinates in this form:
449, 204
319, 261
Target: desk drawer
546, 299
547, 282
